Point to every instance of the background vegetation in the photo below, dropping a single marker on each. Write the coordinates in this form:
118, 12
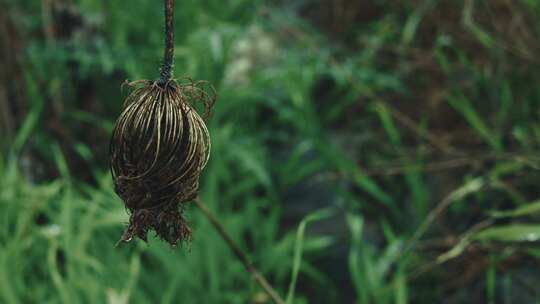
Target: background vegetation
363, 151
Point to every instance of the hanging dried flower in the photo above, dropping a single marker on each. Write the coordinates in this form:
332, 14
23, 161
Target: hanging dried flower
159, 146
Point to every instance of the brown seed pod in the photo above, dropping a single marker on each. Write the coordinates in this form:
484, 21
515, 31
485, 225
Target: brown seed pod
159, 146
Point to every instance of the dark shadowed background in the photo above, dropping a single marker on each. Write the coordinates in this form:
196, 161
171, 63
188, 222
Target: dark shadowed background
375, 151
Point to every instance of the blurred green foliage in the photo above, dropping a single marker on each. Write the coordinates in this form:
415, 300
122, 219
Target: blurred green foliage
363, 151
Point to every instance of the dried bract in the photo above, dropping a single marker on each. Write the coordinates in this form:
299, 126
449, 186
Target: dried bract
160, 145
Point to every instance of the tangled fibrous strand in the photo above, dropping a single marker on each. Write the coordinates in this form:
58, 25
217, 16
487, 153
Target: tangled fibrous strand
159, 147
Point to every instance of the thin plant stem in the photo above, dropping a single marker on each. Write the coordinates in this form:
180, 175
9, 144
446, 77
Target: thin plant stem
259, 278
168, 55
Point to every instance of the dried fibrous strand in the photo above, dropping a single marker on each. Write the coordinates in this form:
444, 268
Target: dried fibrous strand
160, 145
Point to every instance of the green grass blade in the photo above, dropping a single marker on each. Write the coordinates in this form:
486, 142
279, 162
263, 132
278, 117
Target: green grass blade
298, 247
510, 233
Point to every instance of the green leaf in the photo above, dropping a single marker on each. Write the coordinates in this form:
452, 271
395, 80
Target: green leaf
298, 247
511, 233
528, 209
388, 124
462, 104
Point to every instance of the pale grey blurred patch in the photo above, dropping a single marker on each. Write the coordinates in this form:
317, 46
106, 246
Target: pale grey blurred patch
256, 49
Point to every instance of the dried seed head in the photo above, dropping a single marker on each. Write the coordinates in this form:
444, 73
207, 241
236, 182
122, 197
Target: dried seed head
158, 149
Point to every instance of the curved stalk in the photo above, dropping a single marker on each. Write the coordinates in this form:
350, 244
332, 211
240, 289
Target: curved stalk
257, 276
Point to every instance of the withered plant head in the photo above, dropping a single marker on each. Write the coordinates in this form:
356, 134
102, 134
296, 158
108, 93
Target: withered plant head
159, 147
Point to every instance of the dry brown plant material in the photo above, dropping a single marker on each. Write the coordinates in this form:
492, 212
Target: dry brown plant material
159, 147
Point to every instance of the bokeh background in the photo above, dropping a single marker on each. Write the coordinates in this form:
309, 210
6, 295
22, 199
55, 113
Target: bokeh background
375, 151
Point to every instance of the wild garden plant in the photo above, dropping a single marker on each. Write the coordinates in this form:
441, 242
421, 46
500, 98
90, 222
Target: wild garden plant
159, 147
